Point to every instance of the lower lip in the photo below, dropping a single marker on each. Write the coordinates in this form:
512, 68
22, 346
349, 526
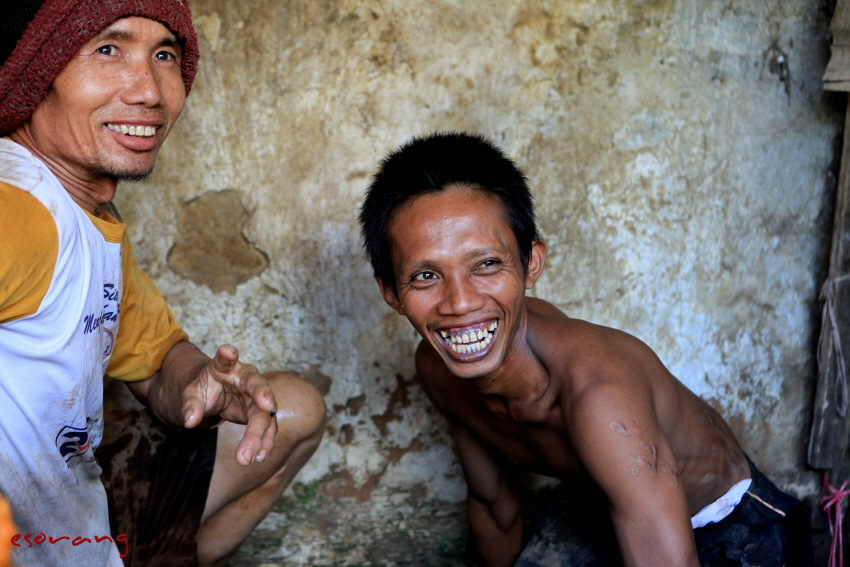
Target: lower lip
136, 143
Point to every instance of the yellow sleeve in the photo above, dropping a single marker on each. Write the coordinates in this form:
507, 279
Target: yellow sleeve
146, 330
29, 246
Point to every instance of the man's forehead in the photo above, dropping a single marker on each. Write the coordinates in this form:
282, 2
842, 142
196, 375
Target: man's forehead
455, 201
447, 215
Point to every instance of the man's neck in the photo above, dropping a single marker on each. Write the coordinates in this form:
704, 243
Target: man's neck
90, 192
522, 376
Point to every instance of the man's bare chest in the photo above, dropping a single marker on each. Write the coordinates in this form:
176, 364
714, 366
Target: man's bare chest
537, 446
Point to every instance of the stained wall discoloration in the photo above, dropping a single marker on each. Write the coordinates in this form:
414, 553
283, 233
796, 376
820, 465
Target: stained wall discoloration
681, 175
211, 249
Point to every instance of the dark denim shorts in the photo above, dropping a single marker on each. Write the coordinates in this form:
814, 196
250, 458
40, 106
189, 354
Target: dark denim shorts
767, 529
157, 479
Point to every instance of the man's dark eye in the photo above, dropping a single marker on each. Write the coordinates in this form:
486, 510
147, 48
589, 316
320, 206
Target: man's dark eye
107, 49
424, 276
166, 56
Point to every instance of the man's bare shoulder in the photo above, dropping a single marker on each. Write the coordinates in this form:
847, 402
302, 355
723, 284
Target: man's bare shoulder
582, 352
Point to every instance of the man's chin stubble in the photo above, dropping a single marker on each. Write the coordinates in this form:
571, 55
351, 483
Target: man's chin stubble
122, 174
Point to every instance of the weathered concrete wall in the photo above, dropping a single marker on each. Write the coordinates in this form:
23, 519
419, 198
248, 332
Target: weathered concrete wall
680, 154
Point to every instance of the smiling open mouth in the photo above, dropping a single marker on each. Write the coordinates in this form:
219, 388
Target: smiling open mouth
141, 131
467, 340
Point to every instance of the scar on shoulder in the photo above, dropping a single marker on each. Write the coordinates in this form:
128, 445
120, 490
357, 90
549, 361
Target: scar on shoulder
625, 430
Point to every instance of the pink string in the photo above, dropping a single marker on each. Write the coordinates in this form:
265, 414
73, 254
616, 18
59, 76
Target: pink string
831, 504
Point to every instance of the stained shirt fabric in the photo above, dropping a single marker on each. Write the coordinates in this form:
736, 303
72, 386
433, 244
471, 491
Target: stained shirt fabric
67, 279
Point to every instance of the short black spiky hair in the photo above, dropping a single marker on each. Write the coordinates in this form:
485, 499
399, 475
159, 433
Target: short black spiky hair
432, 163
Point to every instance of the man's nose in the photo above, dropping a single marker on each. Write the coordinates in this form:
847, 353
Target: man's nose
461, 297
142, 84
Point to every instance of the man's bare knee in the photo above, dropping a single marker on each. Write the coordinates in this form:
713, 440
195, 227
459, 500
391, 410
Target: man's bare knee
301, 409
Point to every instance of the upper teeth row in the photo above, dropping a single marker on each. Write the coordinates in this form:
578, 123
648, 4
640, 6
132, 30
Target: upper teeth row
471, 336
133, 130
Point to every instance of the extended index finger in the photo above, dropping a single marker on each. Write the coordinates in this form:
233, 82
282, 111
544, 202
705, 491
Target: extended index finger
226, 357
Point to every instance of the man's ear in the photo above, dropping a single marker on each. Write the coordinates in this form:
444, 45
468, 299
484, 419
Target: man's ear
536, 260
389, 296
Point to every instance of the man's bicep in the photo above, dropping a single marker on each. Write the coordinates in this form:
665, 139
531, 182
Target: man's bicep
30, 244
619, 442
487, 477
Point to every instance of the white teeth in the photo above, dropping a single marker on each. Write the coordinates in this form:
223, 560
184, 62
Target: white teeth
145, 131
471, 341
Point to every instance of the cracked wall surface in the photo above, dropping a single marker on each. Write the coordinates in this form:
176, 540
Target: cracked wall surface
682, 157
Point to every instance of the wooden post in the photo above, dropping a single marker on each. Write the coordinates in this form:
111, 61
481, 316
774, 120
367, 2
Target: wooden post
829, 435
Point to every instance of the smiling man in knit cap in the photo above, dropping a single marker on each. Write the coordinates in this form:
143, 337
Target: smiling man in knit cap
88, 92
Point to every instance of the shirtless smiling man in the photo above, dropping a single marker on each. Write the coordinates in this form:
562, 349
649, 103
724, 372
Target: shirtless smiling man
449, 228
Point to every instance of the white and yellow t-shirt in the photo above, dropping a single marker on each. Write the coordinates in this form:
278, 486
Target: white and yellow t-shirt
67, 279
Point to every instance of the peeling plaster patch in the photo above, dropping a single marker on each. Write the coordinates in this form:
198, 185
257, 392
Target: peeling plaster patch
342, 485
398, 399
352, 405
211, 249
210, 28
346, 434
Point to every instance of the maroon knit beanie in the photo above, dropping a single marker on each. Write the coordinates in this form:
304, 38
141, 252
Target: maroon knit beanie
58, 31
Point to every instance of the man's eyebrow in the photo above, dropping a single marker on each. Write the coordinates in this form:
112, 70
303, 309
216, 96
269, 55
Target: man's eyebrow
478, 252
419, 266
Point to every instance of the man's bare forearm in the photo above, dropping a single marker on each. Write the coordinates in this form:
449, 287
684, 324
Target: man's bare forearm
163, 392
497, 531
